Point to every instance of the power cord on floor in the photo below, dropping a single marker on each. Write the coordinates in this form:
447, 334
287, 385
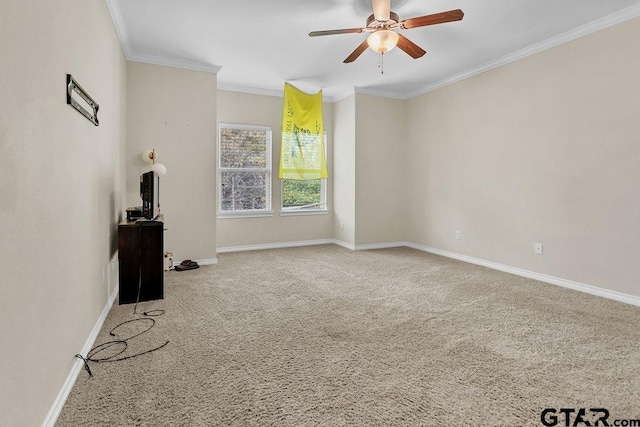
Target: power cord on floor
91, 355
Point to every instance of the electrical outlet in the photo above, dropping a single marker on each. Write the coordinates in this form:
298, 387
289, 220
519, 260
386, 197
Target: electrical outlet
458, 235
341, 225
537, 248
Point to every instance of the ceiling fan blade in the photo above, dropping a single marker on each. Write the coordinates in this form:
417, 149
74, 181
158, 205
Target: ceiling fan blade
436, 18
332, 32
409, 47
381, 9
354, 55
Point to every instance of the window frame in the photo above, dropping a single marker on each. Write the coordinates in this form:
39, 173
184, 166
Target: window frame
299, 210
267, 211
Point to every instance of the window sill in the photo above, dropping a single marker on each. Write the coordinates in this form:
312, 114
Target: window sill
229, 215
303, 212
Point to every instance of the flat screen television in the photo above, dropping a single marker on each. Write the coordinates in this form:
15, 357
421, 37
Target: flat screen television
150, 194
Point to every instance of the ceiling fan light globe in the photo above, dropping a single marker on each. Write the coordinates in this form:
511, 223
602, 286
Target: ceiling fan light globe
382, 41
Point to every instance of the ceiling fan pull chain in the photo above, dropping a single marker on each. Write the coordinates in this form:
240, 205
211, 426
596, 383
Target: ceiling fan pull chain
382, 63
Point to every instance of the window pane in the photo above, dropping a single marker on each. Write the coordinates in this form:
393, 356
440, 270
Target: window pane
301, 193
242, 191
243, 148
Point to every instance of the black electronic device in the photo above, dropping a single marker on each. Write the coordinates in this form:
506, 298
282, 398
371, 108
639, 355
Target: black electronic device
134, 213
150, 194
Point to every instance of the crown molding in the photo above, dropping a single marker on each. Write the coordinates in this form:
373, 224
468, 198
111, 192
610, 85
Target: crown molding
118, 23
584, 30
174, 63
576, 33
381, 93
331, 99
273, 92
343, 94
250, 90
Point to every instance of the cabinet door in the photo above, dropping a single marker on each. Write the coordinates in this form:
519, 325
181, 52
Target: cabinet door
151, 260
129, 262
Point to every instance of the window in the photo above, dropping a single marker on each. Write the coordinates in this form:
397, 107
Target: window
244, 168
304, 196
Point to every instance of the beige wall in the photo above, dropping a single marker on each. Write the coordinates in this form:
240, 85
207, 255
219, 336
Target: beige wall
61, 194
174, 111
542, 150
262, 110
381, 172
344, 170
546, 150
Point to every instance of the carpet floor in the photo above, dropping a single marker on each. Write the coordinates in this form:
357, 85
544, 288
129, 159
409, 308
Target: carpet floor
325, 336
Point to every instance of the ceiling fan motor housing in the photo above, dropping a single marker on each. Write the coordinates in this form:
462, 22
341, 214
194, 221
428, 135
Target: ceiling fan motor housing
373, 24
384, 36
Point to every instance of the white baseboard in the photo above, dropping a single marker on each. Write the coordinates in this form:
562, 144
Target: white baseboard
58, 404
344, 244
209, 261
56, 408
311, 243
380, 246
274, 245
593, 290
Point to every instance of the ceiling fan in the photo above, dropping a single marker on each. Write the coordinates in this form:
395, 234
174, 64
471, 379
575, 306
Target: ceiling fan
382, 25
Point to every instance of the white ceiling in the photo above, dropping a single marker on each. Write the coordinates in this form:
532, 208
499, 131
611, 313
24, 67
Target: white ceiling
257, 45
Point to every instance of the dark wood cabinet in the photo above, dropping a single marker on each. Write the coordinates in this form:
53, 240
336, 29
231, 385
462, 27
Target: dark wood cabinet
141, 260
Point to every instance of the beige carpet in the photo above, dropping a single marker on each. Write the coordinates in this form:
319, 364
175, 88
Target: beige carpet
324, 336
